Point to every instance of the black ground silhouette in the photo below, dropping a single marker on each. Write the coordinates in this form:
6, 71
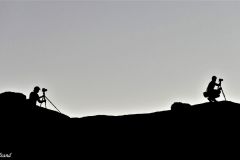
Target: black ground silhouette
15, 106
28, 131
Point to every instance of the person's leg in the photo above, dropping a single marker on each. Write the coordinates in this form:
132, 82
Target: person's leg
216, 94
211, 96
210, 100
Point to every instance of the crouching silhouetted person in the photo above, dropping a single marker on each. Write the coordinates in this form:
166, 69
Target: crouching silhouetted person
34, 97
211, 92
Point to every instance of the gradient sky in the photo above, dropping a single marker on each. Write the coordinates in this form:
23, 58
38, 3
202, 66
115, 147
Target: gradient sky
112, 57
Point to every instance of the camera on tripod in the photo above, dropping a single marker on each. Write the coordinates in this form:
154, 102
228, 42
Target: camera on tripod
44, 90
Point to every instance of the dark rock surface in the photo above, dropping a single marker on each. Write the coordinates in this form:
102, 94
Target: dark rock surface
186, 131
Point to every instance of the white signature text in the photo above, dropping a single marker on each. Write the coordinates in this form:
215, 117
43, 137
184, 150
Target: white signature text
5, 155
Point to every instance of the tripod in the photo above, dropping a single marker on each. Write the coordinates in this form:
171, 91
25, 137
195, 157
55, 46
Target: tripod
46, 98
221, 90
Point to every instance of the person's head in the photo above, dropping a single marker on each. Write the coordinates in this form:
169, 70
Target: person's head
214, 78
36, 89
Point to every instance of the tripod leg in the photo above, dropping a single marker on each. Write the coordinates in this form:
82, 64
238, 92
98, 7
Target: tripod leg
52, 104
223, 95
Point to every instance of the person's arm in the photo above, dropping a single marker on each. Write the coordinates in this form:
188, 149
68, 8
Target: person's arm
218, 84
41, 96
39, 99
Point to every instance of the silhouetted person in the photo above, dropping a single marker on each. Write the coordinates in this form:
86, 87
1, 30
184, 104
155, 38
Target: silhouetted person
34, 97
211, 92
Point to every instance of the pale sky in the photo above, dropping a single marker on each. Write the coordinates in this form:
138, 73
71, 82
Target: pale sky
119, 57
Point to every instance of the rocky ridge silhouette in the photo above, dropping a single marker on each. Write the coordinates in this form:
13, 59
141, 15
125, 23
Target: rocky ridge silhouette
42, 130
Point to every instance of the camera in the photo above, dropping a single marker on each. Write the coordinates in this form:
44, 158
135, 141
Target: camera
44, 90
220, 79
